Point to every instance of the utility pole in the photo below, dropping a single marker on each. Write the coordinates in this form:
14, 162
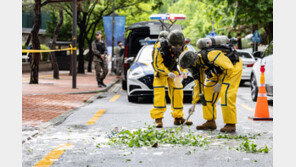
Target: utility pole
74, 32
113, 23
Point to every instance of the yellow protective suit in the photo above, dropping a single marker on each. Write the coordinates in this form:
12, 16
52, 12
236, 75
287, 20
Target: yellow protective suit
159, 84
229, 80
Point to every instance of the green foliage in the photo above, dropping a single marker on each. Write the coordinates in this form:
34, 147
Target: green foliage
245, 137
227, 19
150, 135
251, 12
98, 145
44, 47
251, 147
65, 33
200, 15
140, 12
27, 5
249, 15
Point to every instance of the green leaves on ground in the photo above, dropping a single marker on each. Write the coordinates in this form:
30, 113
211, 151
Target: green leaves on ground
152, 137
245, 137
149, 136
251, 147
247, 145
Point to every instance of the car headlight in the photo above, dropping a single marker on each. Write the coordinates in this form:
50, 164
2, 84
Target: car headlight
137, 72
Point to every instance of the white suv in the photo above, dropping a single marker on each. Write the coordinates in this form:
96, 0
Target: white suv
264, 58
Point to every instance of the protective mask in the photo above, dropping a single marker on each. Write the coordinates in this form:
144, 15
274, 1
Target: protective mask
176, 50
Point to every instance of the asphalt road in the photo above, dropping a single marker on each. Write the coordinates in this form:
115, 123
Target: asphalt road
73, 142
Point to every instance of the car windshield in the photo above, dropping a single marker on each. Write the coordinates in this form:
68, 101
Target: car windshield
146, 55
244, 55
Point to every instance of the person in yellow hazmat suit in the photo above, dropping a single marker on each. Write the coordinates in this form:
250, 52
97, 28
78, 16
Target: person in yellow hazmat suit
166, 73
223, 69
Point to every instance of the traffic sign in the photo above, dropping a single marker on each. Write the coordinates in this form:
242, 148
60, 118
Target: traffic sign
256, 37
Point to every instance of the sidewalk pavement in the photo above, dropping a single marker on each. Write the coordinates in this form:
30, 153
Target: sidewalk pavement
51, 97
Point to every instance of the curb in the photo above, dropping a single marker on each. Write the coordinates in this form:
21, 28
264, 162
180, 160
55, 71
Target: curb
61, 118
84, 92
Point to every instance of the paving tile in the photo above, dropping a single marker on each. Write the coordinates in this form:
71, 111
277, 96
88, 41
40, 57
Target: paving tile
47, 100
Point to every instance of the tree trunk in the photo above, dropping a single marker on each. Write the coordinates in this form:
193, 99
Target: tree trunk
80, 56
35, 42
71, 62
239, 41
90, 58
54, 39
81, 39
28, 40
269, 31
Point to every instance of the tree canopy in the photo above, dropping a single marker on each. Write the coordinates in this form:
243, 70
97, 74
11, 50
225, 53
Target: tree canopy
226, 17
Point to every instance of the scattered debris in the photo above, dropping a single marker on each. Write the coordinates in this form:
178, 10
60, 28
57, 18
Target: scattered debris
155, 145
188, 152
100, 97
150, 135
226, 136
250, 147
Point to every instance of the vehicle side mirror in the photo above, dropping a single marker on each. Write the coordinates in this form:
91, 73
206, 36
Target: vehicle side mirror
129, 60
258, 54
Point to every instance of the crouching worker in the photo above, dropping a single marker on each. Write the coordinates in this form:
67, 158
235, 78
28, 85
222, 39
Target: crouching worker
218, 61
165, 57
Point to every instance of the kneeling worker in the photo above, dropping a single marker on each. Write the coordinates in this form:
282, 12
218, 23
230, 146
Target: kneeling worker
165, 56
223, 69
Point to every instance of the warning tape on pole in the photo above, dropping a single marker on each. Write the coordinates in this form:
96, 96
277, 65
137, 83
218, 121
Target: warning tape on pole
42, 51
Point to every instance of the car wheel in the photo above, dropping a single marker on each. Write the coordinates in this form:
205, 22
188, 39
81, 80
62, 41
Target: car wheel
132, 99
123, 84
254, 88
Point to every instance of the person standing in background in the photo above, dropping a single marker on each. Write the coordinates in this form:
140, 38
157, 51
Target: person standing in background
118, 53
100, 60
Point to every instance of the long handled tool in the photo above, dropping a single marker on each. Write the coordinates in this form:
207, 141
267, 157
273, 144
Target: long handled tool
190, 113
